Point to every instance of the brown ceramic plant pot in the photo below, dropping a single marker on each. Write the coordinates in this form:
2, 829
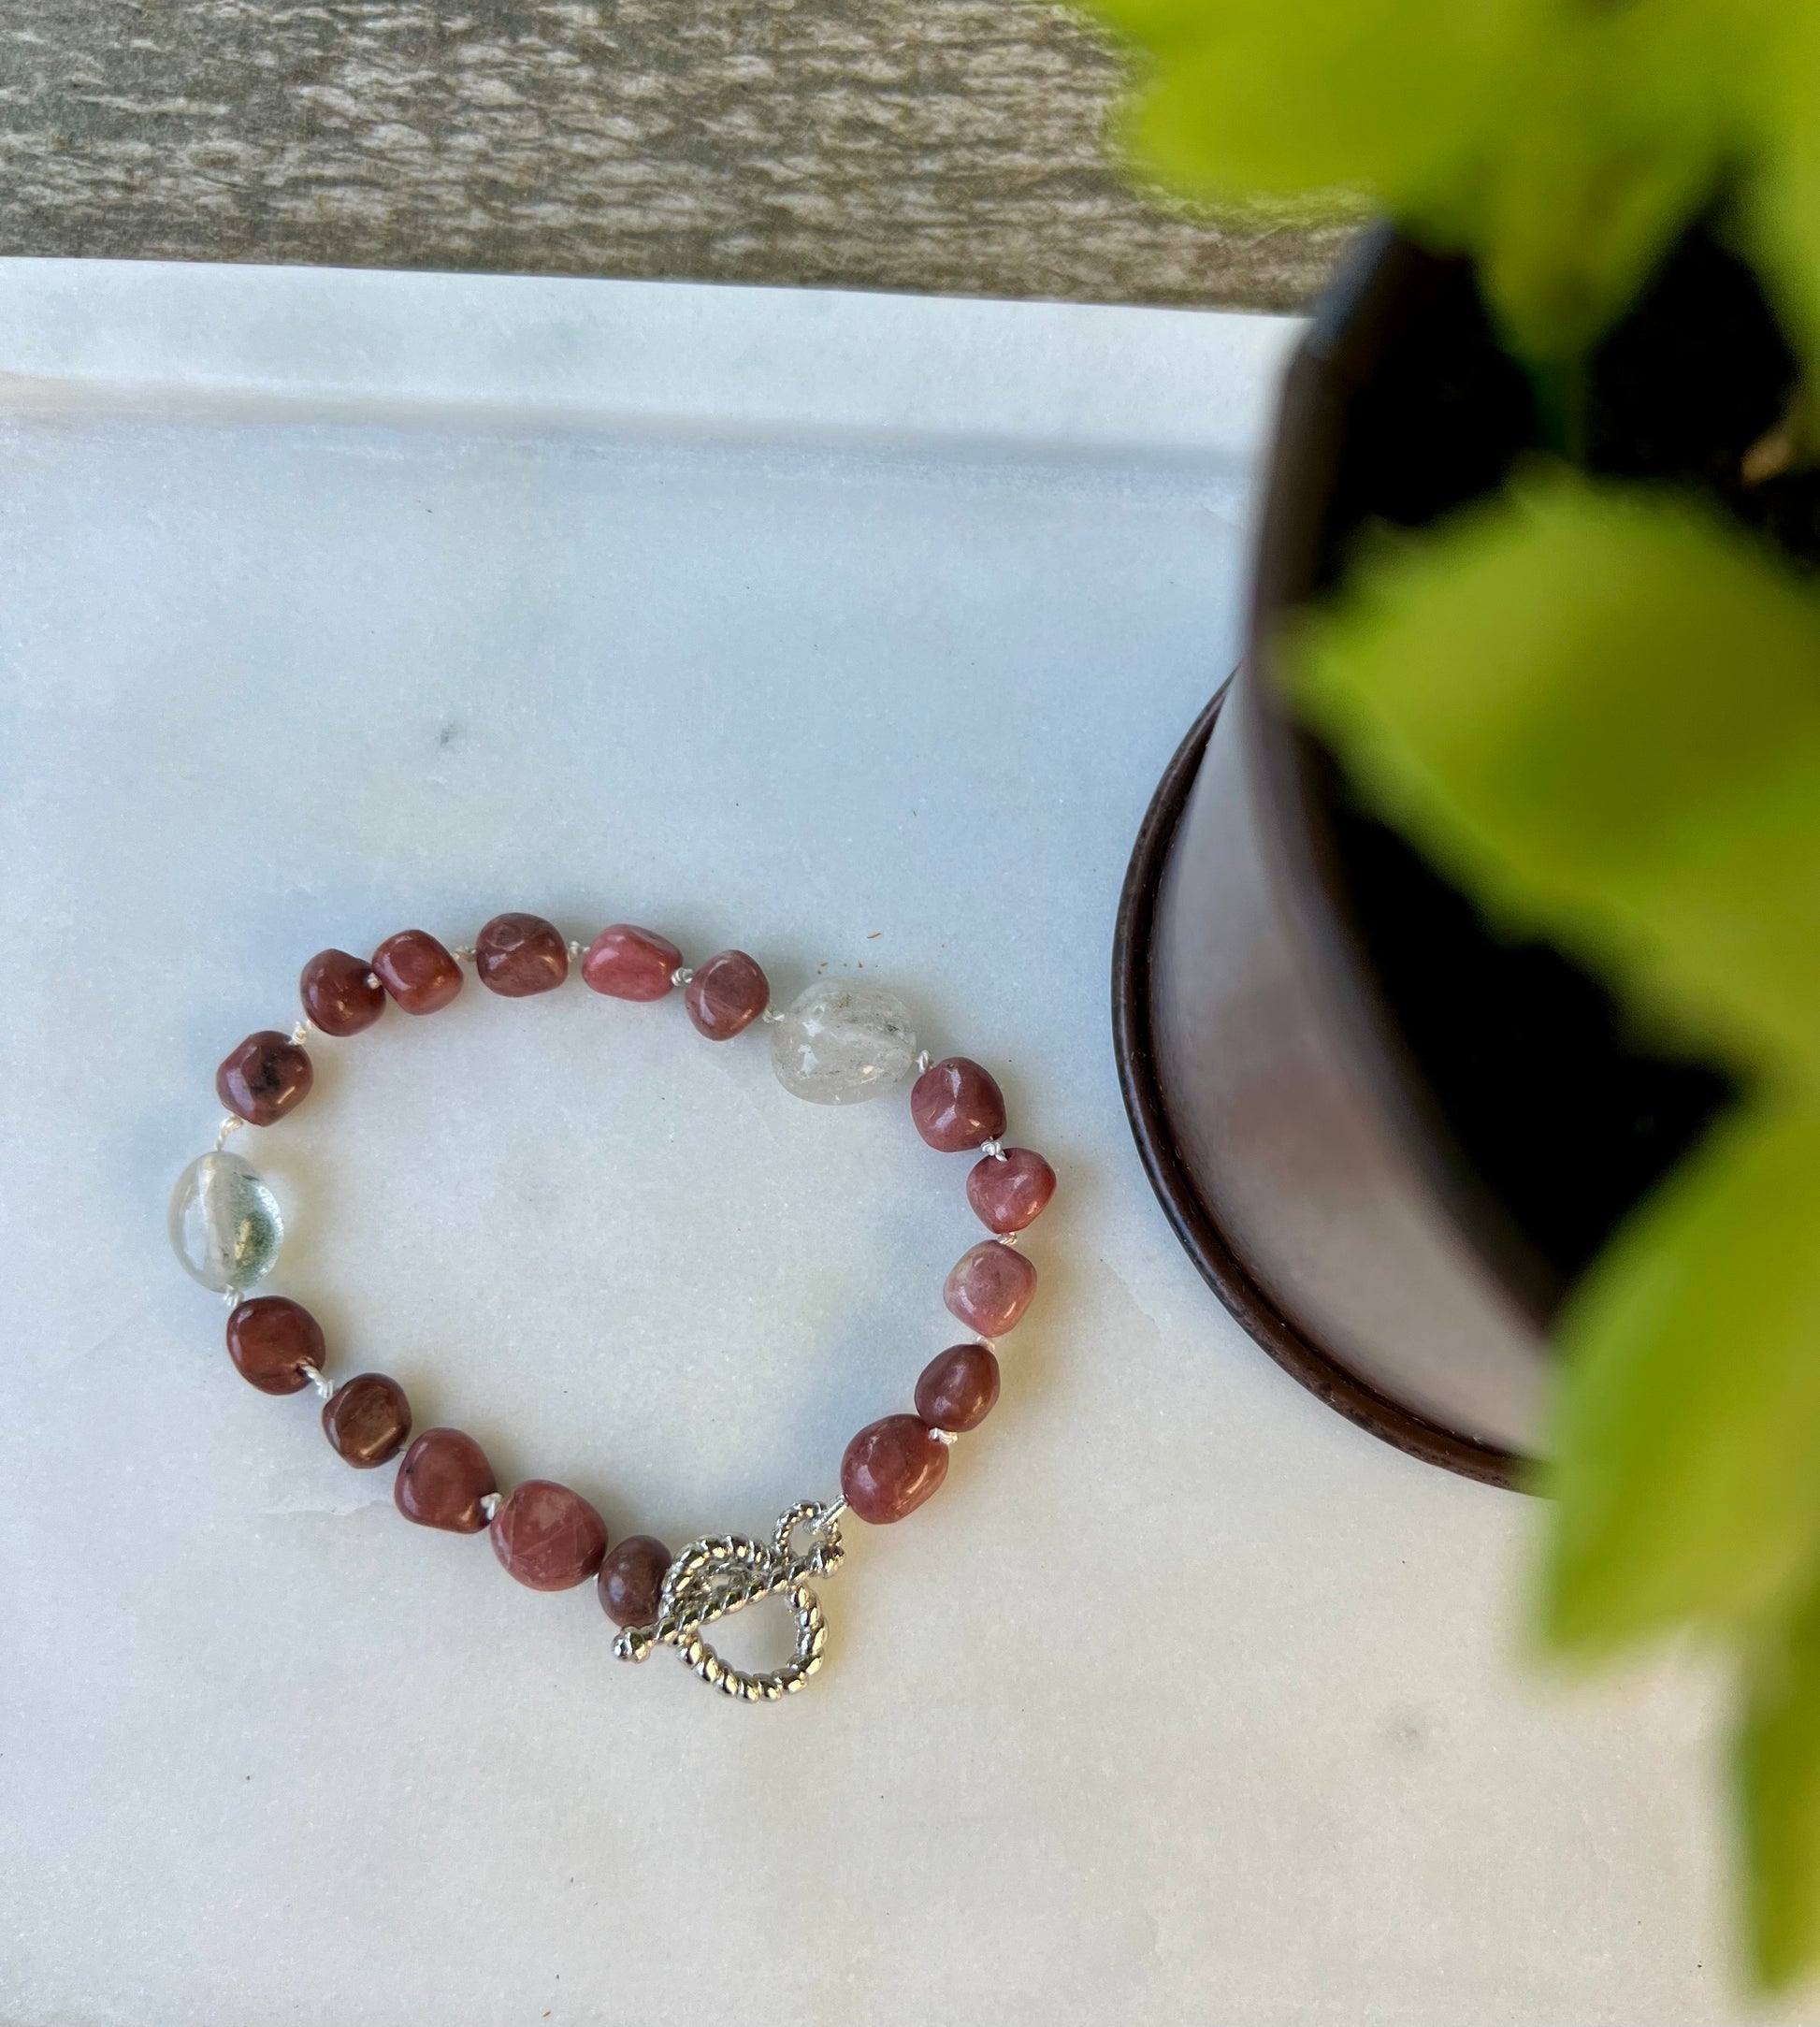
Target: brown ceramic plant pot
1390, 1140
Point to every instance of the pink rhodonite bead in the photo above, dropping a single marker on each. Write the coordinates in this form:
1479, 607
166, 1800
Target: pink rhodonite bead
955, 1104
341, 993
366, 1420
417, 971
442, 1481
631, 1580
547, 1536
958, 1388
625, 962
990, 1288
1010, 1193
519, 955
265, 1077
727, 995
892, 1466
275, 1343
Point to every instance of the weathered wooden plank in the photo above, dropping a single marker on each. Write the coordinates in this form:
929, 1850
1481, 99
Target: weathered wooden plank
947, 145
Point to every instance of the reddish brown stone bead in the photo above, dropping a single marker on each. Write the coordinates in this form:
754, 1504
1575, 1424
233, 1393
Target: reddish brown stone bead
517, 955
265, 1077
990, 1288
547, 1536
631, 1580
275, 1343
417, 971
366, 1420
956, 1104
442, 1481
892, 1466
625, 962
341, 993
727, 994
958, 1388
1012, 1193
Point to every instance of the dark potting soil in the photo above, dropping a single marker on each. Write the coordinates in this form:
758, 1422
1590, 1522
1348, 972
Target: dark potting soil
1568, 1118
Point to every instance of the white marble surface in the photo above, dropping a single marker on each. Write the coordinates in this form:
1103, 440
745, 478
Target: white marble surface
855, 630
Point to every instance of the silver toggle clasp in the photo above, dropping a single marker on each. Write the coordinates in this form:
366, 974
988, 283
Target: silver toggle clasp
725, 1573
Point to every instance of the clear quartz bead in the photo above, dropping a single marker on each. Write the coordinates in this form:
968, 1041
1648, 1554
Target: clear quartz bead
225, 1224
839, 1042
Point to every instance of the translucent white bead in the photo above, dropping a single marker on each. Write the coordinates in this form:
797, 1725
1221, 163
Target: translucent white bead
841, 1042
225, 1224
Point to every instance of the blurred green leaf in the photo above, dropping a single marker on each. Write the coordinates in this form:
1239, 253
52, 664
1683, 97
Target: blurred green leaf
1565, 142
1600, 711
1778, 1781
1782, 196
1686, 1422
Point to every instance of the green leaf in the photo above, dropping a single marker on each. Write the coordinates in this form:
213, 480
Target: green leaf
1565, 143
1686, 1429
1599, 712
1621, 143
1778, 1787
1782, 196
1245, 96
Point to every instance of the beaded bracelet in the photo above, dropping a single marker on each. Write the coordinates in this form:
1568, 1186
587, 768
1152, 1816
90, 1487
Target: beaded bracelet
838, 1043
